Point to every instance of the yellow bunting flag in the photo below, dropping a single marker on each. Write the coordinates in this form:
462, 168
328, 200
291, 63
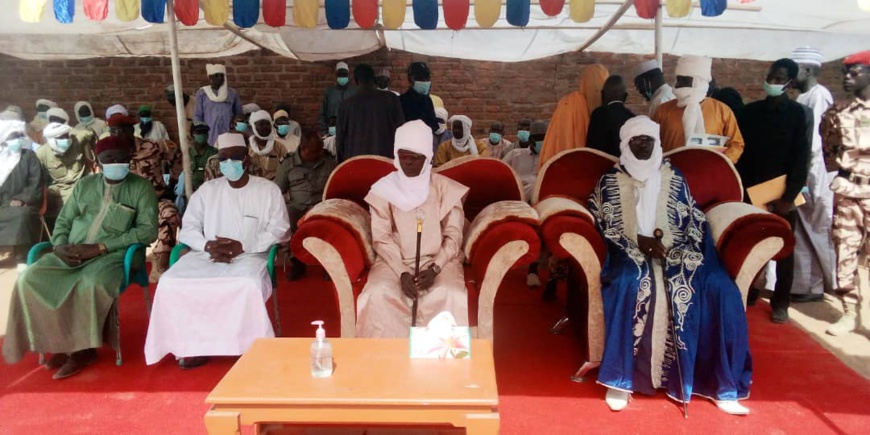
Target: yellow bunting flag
126, 10
679, 8
305, 13
31, 11
581, 11
216, 12
393, 12
486, 12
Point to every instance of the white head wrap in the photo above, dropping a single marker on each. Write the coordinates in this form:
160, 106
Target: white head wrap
700, 68
57, 112
408, 193
12, 113
8, 159
117, 108
51, 132
230, 140
81, 104
215, 68
466, 143
441, 113
647, 173
807, 56
44, 102
39, 122
262, 115
221, 96
341, 66
646, 67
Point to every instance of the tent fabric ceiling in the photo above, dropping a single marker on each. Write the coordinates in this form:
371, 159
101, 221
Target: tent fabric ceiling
766, 30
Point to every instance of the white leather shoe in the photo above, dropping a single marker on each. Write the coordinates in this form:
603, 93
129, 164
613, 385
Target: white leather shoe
732, 407
617, 400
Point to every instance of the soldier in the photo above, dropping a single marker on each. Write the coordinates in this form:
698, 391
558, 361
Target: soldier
846, 135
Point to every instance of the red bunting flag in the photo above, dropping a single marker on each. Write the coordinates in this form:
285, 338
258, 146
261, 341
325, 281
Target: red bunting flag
275, 12
646, 8
552, 7
96, 10
365, 13
187, 11
456, 13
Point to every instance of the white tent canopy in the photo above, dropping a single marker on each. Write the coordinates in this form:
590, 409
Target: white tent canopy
763, 30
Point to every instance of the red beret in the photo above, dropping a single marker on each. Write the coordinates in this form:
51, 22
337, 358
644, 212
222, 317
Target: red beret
119, 120
112, 143
862, 58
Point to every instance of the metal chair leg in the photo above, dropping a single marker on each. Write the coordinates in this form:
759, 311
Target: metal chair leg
580, 375
557, 328
147, 301
41, 359
277, 312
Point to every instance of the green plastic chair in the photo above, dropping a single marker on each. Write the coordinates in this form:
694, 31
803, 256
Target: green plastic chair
270, 266
134, 273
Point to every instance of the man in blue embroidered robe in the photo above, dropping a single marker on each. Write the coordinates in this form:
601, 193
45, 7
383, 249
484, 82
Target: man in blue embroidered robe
641, 194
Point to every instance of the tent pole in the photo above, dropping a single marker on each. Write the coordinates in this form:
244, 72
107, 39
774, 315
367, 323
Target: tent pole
181, 116
658, 36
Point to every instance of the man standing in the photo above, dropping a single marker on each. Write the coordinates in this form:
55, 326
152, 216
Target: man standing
649, 80
383, 81
443, 134
40, 120
847, 137
815, 257
416, 103
496, 143
775, 130
333, 96
692, 114
66, 161
367, 121
212, 301
216, 104
266, 151
462, 144
189, 108
397, 202
60, 304
200, 152
148, 128
303, 176
607, 120
87, 121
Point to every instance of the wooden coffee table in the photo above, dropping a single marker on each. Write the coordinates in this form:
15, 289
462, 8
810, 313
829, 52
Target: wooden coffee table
375, 382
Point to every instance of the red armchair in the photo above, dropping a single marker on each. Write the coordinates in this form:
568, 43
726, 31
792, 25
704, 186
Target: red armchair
746, 237
502, 234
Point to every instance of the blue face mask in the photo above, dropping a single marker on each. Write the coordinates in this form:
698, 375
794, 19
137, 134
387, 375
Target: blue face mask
62, 144
494, 138
232, 169
283, 130
241, 126
86, 119
332, 131
523, 135
15, 144
145, 119
538, 145
774, 90
116, 171
42, 115
343, 81
422, 88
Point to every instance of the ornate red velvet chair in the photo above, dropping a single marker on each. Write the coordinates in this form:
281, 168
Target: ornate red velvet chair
746, 237
502, 234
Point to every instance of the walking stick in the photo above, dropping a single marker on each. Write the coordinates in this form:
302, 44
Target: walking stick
659, 234
417, 269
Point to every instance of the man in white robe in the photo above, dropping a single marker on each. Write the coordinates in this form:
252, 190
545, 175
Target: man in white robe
397, 201
649, 80
212, 301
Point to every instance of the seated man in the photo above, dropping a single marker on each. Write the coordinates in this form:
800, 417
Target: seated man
212, 301
20, 191
462, 144
397, 201
266, 150
200, 153
66, 161
61, 302
87, 121
303, 176
148, 128
657, 291
496, 143
287, 130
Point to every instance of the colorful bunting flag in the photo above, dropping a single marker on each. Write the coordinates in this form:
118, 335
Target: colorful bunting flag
31, 11
126, 10
337, 13
98, 10
64, 11
365, 13
486, 12
216, 12
456, 13
679, 8
425, 13
153, 10
305, 13
554, 7
646, 8
517, 12
246, 13
275, 12
187, 11
581, 11
394, 13
713, 8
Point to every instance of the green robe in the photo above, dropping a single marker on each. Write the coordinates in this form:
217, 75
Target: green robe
64, 171
18, 225
57, 308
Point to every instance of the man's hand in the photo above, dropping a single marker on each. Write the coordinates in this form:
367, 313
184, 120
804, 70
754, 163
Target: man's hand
425, 280
651, 247
409, 287
232, 247
69, 254
223, 250
781, 207
16, 203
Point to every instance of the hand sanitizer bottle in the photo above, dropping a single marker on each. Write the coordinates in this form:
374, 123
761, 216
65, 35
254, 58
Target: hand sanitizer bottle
321, 353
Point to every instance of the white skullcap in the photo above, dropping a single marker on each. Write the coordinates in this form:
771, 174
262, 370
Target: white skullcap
646, 67
280, 114
215, 68
58, 113
414, 136
44, 102
466, 121
231, 140
250, 108
55, 129
807, 56
385, 72
696, 66
341, 66
441, 113
260, 115
116, 109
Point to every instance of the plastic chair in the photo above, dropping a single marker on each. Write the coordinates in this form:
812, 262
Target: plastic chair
133, 274
270, 267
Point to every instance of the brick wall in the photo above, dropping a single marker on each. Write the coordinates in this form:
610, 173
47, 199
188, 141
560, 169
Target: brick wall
485, 91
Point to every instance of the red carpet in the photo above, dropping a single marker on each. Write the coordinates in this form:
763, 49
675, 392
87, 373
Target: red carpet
798, 386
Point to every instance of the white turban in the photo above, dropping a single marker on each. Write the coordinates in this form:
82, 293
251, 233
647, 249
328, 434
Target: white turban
647, 173
250, 108
408, 193
441, 113
116, 109
646, 67
230, 140
44, 102
55, 130
696, 66
215, 68
57, 112
466, 143
700, 68
81, 104
12, 113
8, 159
9, 126
807, 56
262, 115
341, 66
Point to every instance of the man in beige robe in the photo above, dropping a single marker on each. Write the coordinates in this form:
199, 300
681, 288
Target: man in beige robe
397, 201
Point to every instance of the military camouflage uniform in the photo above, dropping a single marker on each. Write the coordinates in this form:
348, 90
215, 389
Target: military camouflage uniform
846, 136
148, 161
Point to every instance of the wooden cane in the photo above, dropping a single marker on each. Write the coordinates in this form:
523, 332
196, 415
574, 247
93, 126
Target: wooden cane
417, 270
659, 235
